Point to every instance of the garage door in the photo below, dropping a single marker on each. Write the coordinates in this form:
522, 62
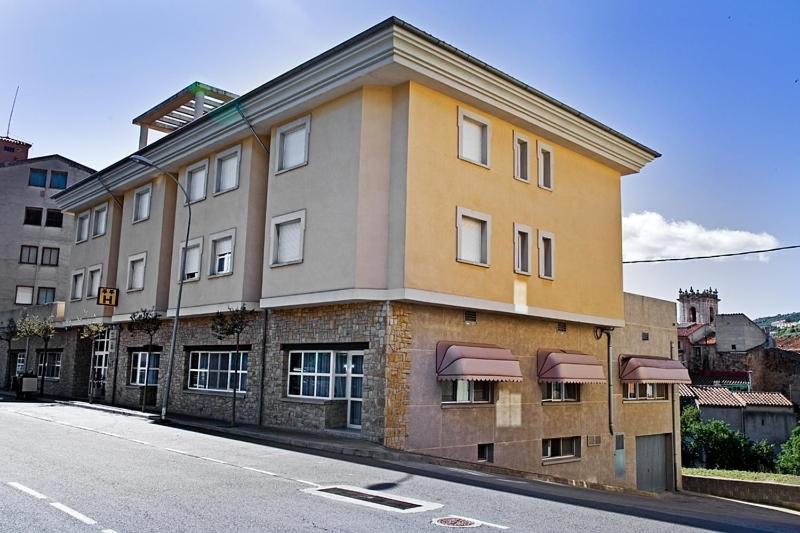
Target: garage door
651, 463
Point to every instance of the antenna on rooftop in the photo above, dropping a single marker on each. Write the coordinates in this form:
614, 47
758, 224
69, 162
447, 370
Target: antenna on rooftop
10, 115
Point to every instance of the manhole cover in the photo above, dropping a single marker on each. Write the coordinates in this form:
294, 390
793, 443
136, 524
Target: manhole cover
456, 521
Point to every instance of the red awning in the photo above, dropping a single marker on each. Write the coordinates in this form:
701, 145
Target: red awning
477, 362
558, 366
639, 369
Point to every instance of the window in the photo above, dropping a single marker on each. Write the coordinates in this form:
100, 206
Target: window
136, 268
561, 448
545, 156
53, 371
486, 453
76, 291
646, 391
645, 336
37, 178
473, 138
28, 255
82, 228
310, 374
193, 253
546, 255
46, 295
99, 220
217, 371
95, 273
522, 249
696, 351
286, 244
561, 392
463, 391
474, 231
139, 368
522, 170
21, 357
58, 179
196, 181
24, 295
222, 255
33, 216
141, 203
733, 346
8, 149
49, 256
227, 170
55, 218
293, 144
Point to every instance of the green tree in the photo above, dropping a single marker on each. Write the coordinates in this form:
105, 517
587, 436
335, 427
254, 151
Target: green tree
34, 326
146, 321
233, 323
789, 459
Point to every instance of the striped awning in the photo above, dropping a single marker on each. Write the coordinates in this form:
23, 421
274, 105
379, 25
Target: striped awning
476, 362
641, 369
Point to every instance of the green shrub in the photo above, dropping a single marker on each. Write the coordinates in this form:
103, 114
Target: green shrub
789, 459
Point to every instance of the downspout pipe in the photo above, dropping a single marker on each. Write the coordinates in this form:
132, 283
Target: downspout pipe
598, 333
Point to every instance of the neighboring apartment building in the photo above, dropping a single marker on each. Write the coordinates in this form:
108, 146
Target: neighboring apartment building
430, 250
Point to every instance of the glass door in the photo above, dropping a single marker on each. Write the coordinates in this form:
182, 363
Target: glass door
348, 384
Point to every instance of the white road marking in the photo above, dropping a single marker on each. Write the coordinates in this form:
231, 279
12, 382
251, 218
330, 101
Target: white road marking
306, 482
177, 451
107, 531
214, 460
480, 522
259, 471
73, 513
27, 490
137, 441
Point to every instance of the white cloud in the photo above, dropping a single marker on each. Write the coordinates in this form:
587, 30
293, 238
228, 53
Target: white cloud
649, 235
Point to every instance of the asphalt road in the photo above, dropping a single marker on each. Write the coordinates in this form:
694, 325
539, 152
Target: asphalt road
67, 469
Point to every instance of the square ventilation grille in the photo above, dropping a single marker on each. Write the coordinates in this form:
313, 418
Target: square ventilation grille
593, 440
561, 327
471, 317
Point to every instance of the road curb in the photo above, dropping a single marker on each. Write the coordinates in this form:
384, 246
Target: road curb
108, 409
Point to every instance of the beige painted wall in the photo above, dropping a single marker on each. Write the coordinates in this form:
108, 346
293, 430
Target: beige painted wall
583, 211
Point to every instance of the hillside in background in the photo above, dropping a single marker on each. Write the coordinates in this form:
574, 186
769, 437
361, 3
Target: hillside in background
767, 320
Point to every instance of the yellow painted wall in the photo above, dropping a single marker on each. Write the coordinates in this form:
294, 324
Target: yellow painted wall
583, 211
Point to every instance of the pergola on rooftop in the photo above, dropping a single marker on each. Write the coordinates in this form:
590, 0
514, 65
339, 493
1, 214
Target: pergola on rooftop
180, 109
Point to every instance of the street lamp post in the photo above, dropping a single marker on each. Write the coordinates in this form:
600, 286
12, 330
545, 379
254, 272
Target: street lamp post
148, 163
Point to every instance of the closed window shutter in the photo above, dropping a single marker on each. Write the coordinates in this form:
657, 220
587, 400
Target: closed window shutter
100, 222
293, 151
289, 235
222, 253
94, 282
197, 184
192, 262
137, 274
472, 140
227, 173
77, 286
472, 240
142, 205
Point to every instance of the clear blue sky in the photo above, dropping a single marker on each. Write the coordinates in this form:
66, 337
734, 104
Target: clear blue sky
712, 85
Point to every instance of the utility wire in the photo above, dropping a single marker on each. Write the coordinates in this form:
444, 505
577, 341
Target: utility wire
673, 259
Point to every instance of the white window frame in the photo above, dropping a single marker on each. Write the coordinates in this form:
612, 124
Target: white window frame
273, 238
93, 268
82, 272
576, 448
87, 216
236, 152
55, 367
518, 251
470, 385
99, 209
329, 374
196, 242
189, 170
633, 392
212, 263
244, 354
146, 188
462, 212
137, 257
556, 393
475, 117
542, 147
21, 363
136, 359
542, 236
16, 295
302, 122
518, 175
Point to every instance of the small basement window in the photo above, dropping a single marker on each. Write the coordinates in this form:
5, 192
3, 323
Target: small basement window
561, 448
486, 453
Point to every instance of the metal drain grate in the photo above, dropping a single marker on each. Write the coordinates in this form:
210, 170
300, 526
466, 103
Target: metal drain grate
455, 521
371, 498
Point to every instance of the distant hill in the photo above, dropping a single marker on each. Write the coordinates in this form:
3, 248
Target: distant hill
767, 320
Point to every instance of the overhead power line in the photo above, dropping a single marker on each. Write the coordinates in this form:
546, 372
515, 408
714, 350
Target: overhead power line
715, 256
